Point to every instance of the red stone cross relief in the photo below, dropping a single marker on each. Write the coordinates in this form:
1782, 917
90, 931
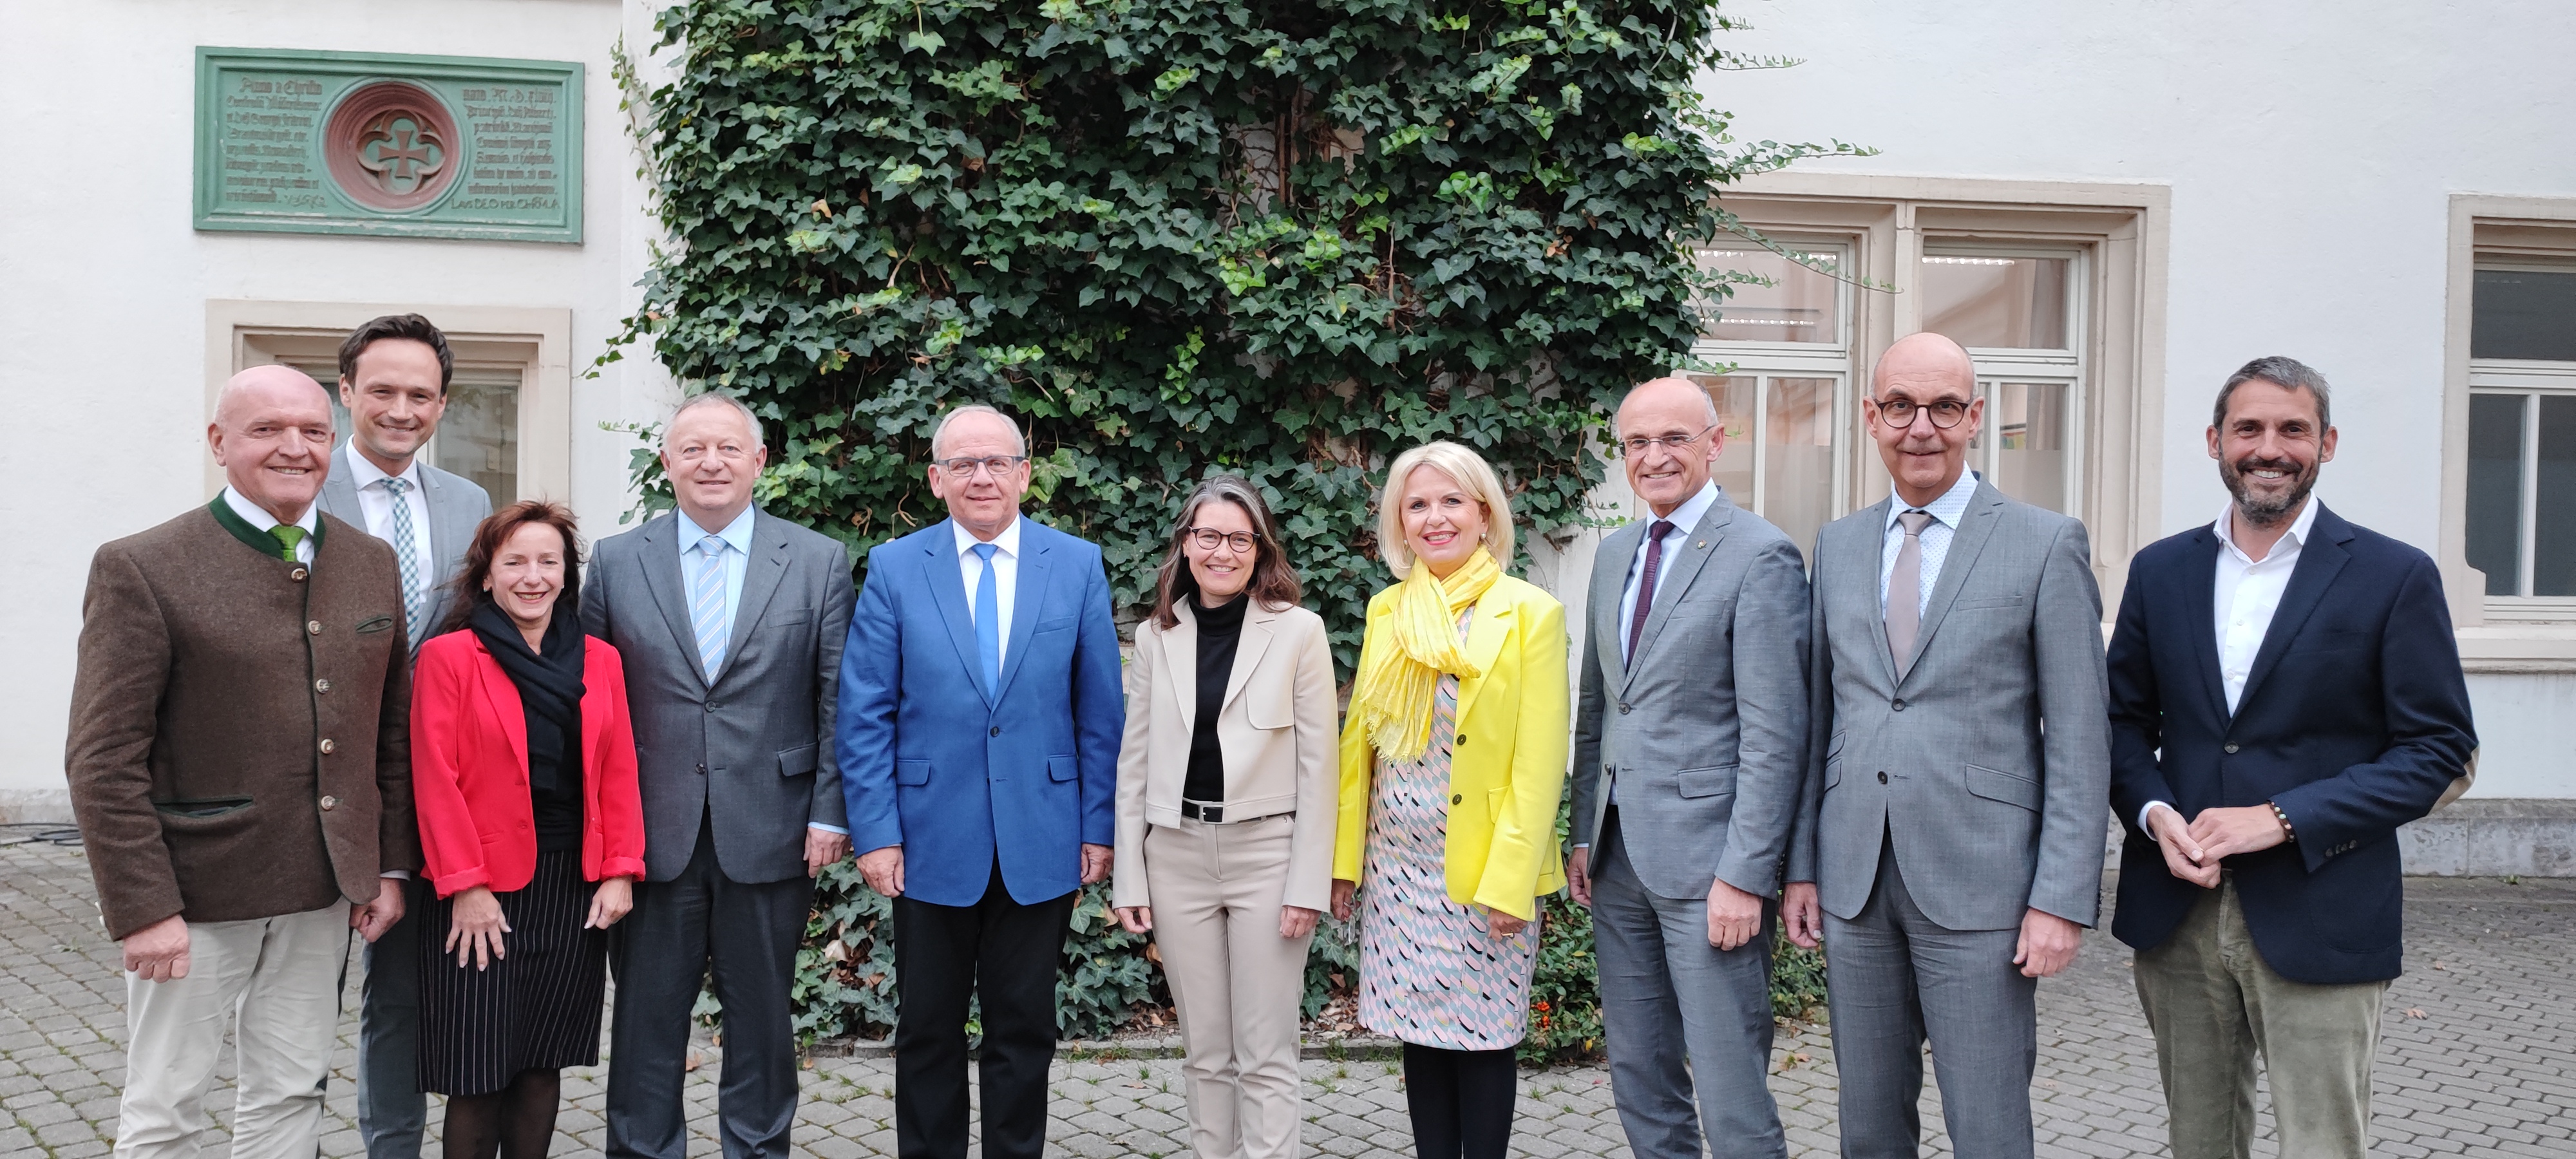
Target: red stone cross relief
391, 146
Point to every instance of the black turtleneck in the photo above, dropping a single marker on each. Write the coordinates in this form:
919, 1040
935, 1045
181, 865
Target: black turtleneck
1220, 628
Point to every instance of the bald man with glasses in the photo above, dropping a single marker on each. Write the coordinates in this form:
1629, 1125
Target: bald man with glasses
1949, 847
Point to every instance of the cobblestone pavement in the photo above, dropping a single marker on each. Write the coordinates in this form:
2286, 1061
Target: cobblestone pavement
2478, 1055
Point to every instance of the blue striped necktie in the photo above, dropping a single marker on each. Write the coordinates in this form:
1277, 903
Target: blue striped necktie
988, 619
707, 605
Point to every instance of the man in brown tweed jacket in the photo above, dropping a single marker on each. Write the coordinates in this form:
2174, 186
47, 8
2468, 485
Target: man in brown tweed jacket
239, 764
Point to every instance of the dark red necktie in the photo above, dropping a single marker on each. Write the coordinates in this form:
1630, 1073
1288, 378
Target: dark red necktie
1646, 583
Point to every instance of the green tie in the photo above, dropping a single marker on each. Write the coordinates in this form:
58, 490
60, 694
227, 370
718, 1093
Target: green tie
288, 535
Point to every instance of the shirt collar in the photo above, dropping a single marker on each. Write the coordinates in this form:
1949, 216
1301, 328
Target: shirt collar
1692, 510
1948, 509
2289, 544
259, 518
363, 472
737, 534
1008, 540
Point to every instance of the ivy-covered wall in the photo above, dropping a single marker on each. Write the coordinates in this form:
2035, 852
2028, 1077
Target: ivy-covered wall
1286, 239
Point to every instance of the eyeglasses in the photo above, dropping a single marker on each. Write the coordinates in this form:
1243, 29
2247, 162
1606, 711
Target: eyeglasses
1899, 412
965, 467
1637, 445
1207, 539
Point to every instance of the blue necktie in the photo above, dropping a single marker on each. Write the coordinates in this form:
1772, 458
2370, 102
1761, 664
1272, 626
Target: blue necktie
707, 605
988, 620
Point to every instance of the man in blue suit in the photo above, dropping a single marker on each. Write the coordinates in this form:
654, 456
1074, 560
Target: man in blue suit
981, 711
2285, 693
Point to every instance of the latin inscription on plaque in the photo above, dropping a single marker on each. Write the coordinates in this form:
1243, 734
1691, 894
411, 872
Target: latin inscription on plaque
416, 146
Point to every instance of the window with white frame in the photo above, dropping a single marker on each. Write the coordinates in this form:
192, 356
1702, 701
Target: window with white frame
2019, 311
2521, 526
1788, 392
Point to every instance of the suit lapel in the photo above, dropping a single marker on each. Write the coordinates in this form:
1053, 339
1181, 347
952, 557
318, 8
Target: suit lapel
503, 697
1181, 657
761, 575
2200, 612
339, 493
1975, 527
1485, 636
1028, 600
661, 563
1609, 582
2319, 563
1248, 648
948, 587
1682, 566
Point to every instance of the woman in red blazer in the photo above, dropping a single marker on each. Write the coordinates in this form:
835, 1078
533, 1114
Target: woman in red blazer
523, 774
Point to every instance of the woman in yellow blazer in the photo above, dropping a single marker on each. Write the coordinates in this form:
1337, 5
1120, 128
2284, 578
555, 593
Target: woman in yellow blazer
1226, 812
1453, 756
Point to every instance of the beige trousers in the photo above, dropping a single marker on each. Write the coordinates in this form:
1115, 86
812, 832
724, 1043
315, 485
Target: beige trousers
275, 981
1235, 982
2214, 1004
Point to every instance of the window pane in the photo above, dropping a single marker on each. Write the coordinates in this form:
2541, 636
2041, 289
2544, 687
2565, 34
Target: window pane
1991, 301
2523, 314
1734, 467
1802, 305
1798, 471
479, 436
2553, 547
2028, 420
2495, 490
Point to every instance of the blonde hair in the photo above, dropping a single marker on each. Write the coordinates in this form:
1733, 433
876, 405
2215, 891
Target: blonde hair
1471, 473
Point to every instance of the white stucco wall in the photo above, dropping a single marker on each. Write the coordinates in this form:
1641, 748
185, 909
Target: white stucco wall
2312, 150
103, 285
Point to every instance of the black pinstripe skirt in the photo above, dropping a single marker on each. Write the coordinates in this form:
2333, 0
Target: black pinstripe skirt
537, 1009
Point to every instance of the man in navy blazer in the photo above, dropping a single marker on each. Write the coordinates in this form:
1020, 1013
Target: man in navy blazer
2285, 693
981, 713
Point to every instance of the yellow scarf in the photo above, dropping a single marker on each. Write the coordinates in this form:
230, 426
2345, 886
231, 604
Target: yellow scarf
1399, 682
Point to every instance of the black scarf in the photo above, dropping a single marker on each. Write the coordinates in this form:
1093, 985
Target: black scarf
549, 684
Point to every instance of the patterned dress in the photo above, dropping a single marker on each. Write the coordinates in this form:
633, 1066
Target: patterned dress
1431, 972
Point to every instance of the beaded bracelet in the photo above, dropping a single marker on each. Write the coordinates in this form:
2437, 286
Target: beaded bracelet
2288, 834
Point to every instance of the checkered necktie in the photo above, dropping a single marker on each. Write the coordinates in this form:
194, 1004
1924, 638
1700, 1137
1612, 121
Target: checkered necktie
407, 555
707, 604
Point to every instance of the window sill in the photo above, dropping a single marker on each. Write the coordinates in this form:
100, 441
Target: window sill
2499, 648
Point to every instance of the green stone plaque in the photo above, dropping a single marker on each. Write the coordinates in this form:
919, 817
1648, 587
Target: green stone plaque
397, 146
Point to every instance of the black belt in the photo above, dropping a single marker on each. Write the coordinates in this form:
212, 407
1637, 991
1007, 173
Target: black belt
1212, 814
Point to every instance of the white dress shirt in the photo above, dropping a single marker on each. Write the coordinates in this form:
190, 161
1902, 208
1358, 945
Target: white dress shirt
376, 505
2242, 598
1946, 512
737, 560
1683, 518
260, 520
1006, 576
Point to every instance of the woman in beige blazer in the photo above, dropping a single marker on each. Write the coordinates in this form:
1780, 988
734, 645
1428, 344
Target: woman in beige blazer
1226, 806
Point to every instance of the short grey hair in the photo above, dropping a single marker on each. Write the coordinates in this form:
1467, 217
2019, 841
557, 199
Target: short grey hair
939, 434
2286, 373
712, 398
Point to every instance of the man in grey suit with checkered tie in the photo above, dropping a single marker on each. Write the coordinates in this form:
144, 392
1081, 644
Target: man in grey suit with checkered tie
394, 374
1958, 773
1690, 740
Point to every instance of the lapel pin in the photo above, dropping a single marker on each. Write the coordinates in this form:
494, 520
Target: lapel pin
1703, 543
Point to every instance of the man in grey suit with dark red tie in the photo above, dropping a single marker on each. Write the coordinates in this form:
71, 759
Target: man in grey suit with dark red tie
1959, 773
730, 623
1690, 742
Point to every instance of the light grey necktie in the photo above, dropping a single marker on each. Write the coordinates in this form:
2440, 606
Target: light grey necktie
1905, 591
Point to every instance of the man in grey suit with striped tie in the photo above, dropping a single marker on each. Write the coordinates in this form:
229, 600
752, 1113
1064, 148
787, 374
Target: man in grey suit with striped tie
394, 373
730, 623
1959, 773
